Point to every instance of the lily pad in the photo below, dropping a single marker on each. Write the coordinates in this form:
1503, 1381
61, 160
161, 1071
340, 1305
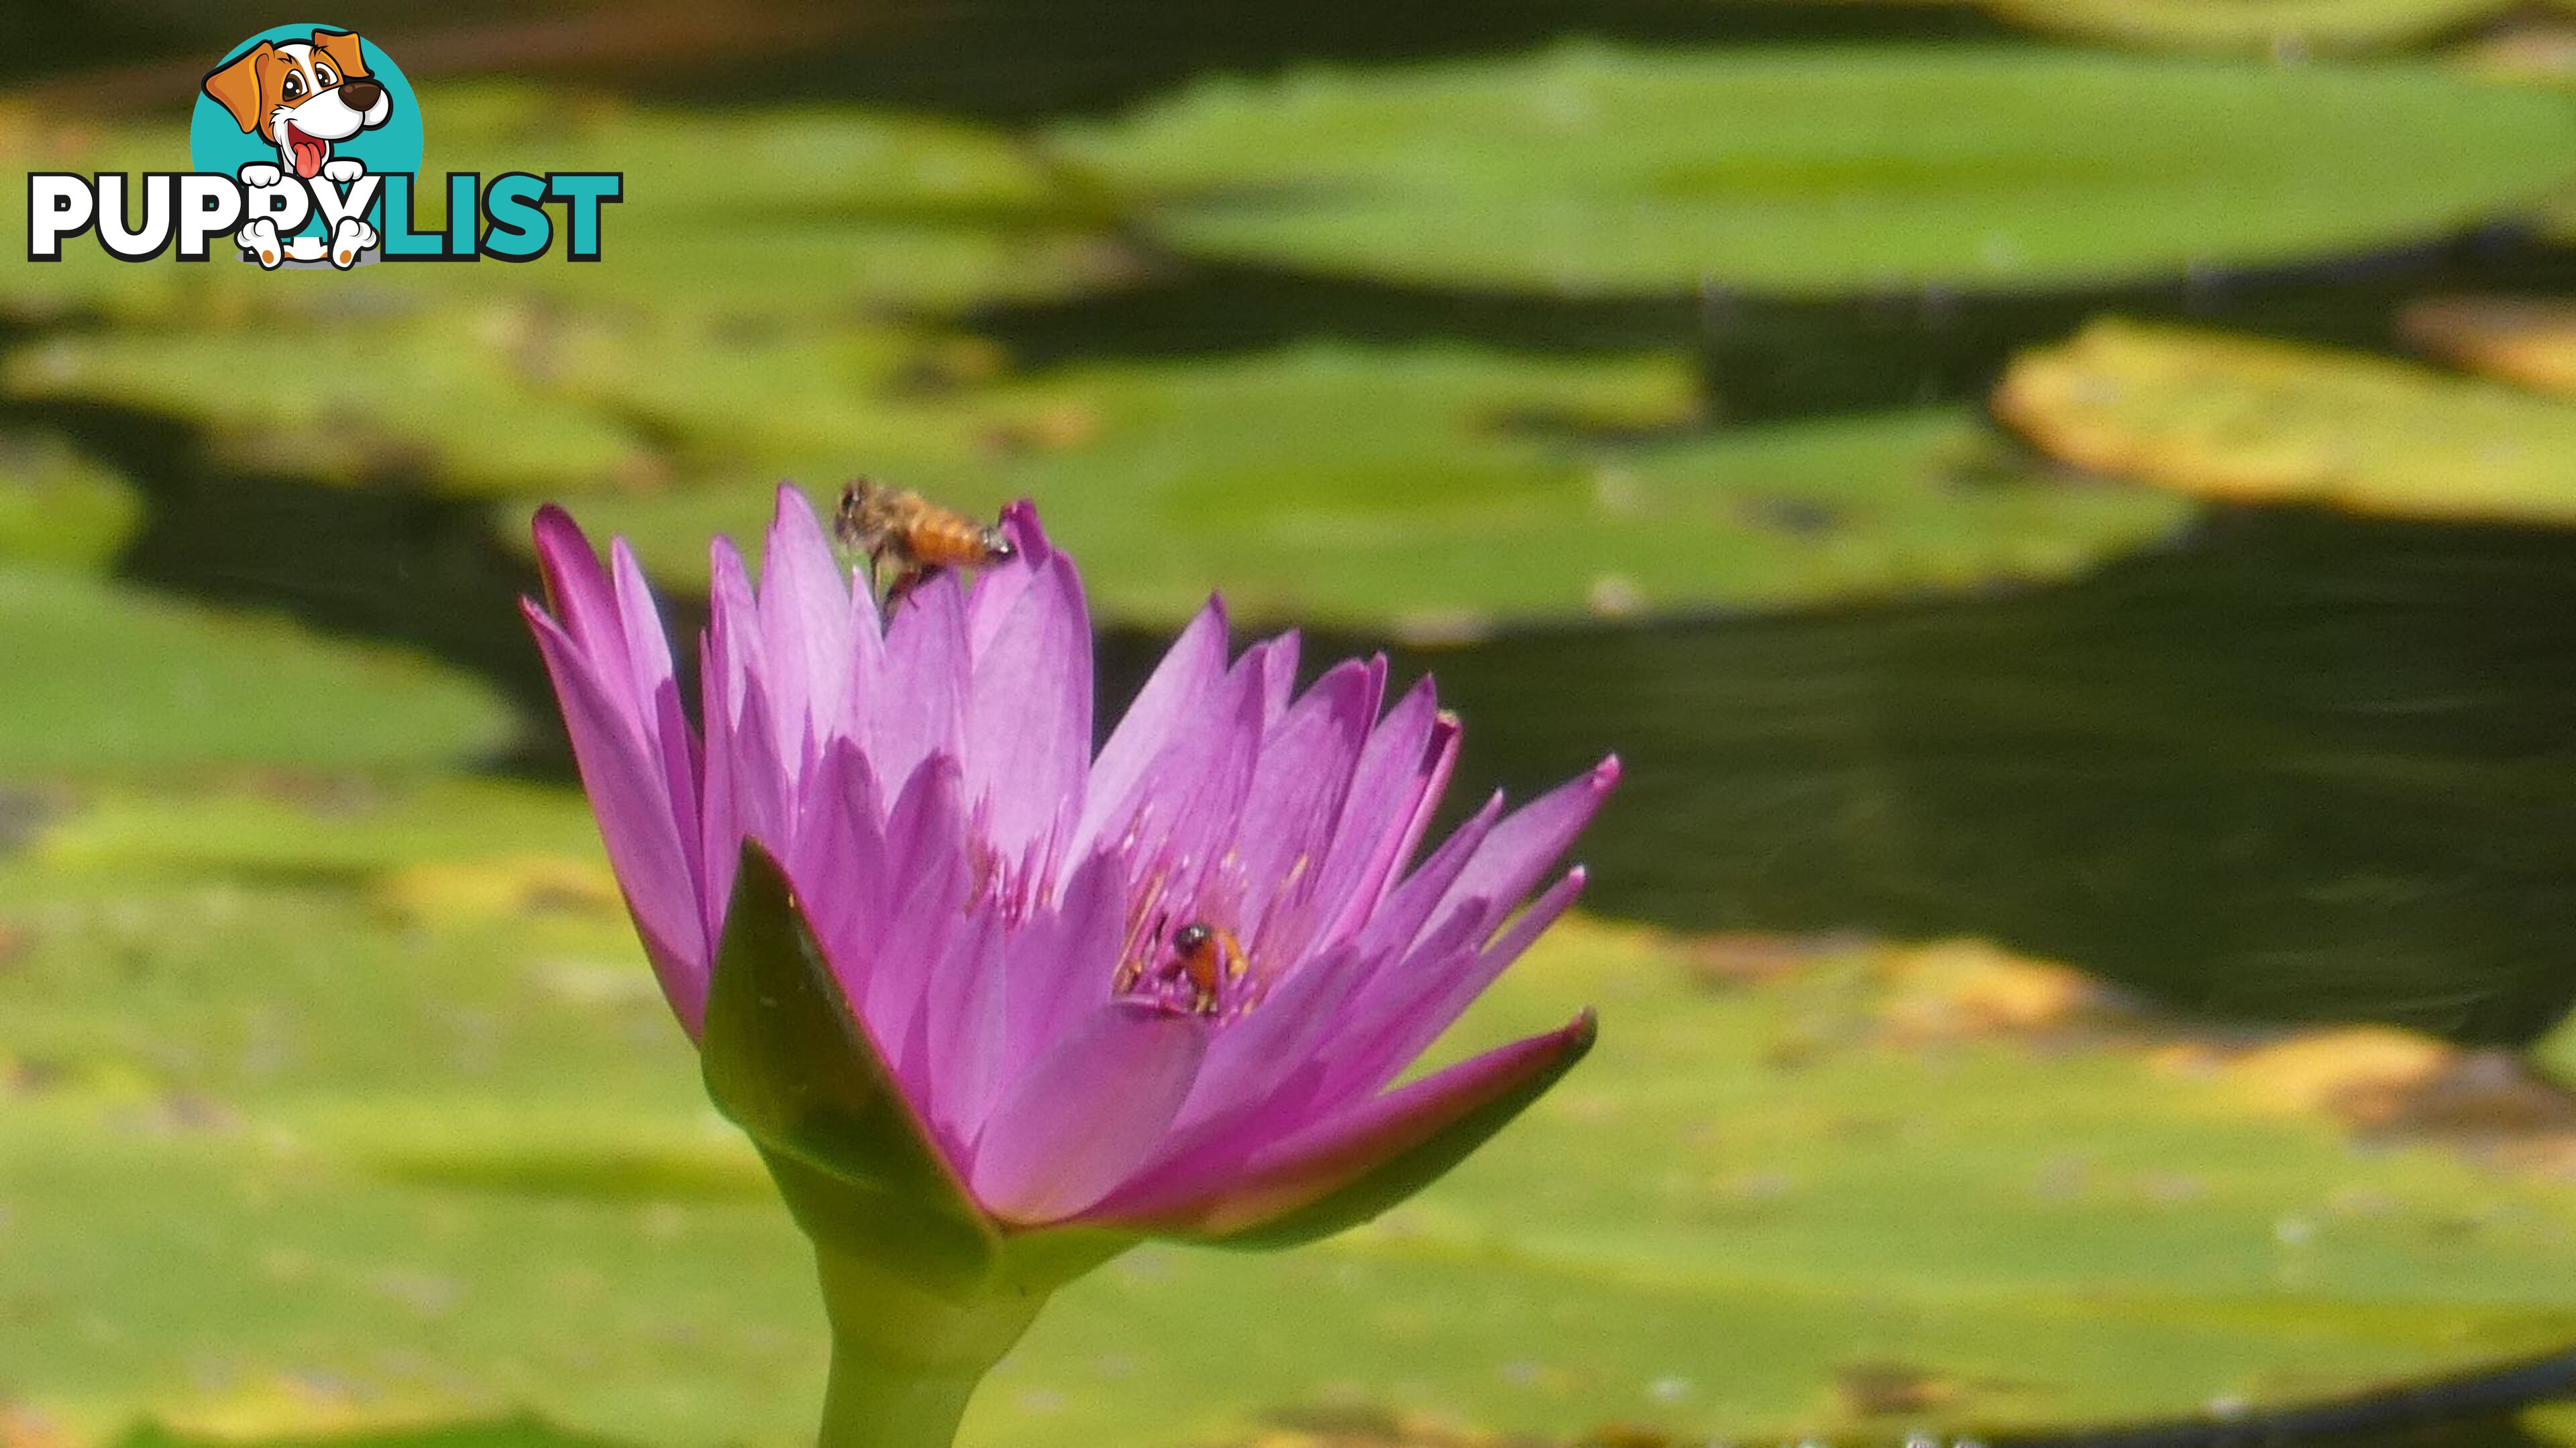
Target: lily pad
58, 506
1442, 489
2289, 28
106, 680
318, 827
2525, 340
2248, 419
448, 398
259, 1124
509, 397
1587, 169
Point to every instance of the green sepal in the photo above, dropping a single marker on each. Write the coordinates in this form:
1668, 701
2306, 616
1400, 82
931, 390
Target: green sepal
788, 1061
1410, 1170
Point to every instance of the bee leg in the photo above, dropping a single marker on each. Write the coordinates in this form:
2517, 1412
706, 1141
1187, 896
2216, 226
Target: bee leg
913, 576
908, 580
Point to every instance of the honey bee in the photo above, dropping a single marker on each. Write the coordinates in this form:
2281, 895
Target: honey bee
922, 538
1209, 957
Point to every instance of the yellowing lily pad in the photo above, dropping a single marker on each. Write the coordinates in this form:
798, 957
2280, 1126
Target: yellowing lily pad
1588, 169
104, 679
2525, 340
1441, 489
2260, 421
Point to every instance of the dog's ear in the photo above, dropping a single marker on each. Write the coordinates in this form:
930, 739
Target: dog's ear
347, 54
242, 86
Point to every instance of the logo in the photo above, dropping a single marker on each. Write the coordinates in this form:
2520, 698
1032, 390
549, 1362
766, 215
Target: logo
305, 151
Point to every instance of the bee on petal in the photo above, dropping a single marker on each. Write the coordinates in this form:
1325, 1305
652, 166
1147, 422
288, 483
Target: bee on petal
921, 538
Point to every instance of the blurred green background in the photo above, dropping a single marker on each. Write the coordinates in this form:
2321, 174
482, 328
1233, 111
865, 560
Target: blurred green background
2064, 506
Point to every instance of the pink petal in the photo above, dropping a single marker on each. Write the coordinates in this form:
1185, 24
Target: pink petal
582, 598
668, 735
1252, 1089
719, 837
1297, 788
1187, 806
926, 861
1340, 1152
636, 822
919, 709
804, 611
997, 590
968, 1030
840, 866
1171, 701
1028, 714
1528, 843
1394, 788
1407, 1008
1087, 1114
1409, 906
1062, 960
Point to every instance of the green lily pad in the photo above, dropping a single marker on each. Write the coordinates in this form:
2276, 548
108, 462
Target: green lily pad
106, 680
304, 826
773, 211
58, 506
2242, 418
1443, 488
2263, 27
1585, 169
402, 1171
508, 397
449, 397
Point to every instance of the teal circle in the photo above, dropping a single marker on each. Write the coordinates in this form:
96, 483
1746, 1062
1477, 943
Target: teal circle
217, 143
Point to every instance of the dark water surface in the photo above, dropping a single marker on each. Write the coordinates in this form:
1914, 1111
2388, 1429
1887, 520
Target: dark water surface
2301, 766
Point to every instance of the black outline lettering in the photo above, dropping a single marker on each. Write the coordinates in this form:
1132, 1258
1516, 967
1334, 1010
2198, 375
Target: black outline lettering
473, 216
410, 223
535, 205
124, 189
88, 182
233, 186
572, 251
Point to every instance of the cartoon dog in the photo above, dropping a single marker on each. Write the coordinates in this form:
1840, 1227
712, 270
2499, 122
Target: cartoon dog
302, 97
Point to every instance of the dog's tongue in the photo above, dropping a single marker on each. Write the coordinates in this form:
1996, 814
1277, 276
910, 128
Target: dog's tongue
308, 153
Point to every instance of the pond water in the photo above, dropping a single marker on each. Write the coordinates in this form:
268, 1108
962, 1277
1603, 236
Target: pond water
2298, 765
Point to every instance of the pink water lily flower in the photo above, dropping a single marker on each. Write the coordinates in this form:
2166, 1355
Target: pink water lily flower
1164, 989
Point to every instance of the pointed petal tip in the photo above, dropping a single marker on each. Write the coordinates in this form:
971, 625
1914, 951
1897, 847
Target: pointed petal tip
1606, 773
565, 559
1019, 523
790, 508
1348, 1169
551, 518
724, 555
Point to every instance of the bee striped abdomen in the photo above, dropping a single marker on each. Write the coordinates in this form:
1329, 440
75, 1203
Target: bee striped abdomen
955, 542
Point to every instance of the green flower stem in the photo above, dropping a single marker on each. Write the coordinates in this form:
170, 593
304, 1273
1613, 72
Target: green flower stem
906, 1358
